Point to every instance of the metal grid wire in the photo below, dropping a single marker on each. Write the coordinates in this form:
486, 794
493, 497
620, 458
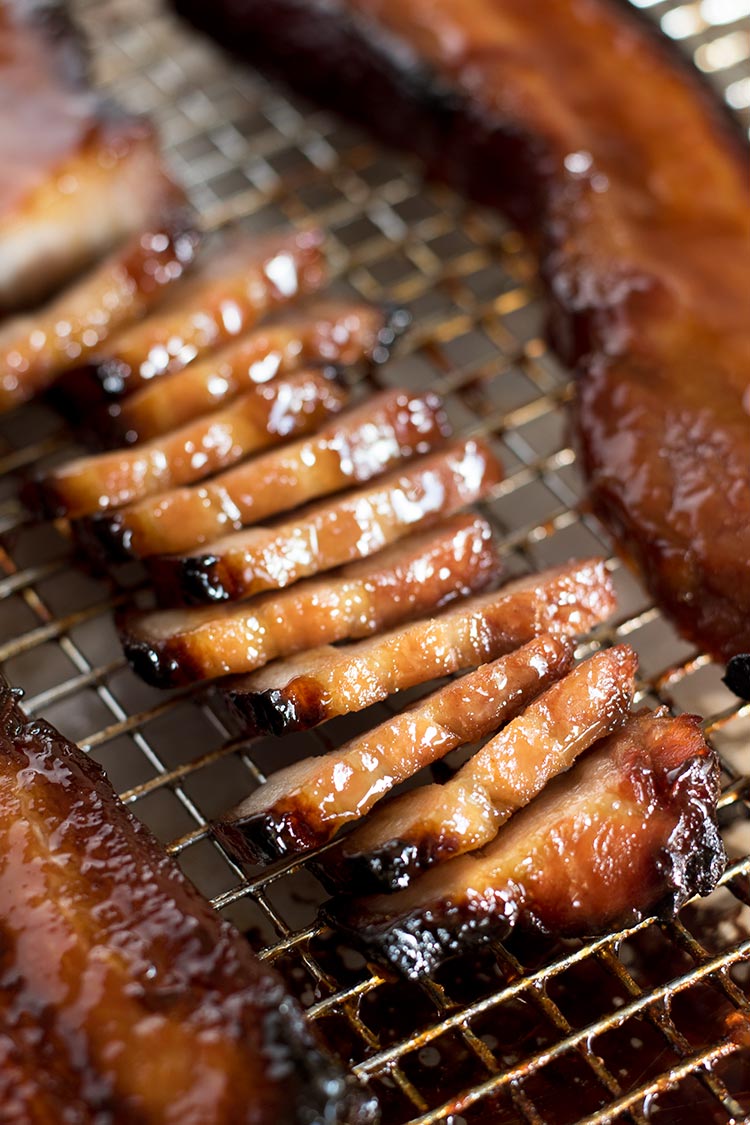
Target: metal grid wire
644, 1026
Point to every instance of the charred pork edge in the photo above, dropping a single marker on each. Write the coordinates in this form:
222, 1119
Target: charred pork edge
396, 862
274, 832
280, 711
396, 321
203, 577
417, 943
91, 394
162, 663
107, 536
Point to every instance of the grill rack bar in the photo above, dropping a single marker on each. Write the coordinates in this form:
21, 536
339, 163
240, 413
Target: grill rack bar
247, 152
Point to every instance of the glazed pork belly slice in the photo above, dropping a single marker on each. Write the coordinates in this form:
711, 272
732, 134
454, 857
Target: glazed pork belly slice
299, 693
316, 332
306, 804
36, 348
128, 997
431, 824
329, 534
171, 647
266, 415
628, 832
237, 280
77, 176
355, 447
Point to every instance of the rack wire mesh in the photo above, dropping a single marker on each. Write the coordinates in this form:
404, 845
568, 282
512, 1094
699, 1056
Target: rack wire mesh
647, 1025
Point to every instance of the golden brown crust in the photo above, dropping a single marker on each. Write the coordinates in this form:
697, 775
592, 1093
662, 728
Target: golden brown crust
548, 110
265, 416
431, 824
306, 804
629, 831
126, 997
330, 533
317, 332
425, 571
359, 445
298, 693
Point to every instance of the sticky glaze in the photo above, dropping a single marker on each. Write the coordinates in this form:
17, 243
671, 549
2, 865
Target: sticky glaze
169, 647
237, 280
629, 831
265, 416
360, 523
339, 333
297, 693
360, 444
431, 824
123, 996
306, 804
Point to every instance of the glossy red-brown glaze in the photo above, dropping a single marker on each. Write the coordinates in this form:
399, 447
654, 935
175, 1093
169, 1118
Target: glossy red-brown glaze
331, 533
169, 647
433, 823
304, 805
36, 348
236, 281
629, 831
76, 176
357, 446
326, 332
298, 693
124, 997
264, 416
585, 123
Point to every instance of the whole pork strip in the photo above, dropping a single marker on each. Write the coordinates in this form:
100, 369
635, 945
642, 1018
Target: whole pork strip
335, 332
431, 824
237, 280
355, 447
547, 109
304, 805
77, 176
330, 533
170, 647
125, 996
299, 693
629, 831
266, 415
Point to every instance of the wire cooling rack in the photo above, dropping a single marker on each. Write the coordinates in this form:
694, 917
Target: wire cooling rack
645, 1026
